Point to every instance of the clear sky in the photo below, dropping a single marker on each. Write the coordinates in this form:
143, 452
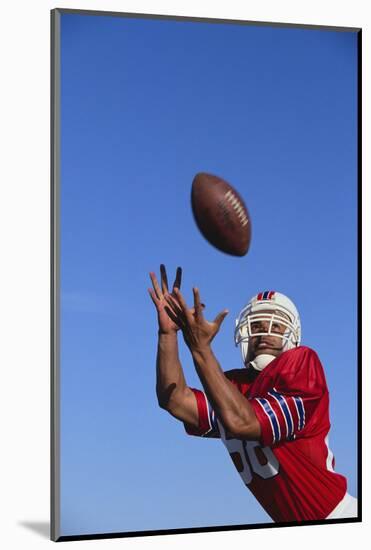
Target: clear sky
146, 104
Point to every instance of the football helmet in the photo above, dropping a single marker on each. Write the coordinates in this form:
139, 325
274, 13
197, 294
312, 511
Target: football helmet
272, 308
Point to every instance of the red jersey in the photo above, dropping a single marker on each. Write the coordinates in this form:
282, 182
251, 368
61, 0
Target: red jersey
290, 470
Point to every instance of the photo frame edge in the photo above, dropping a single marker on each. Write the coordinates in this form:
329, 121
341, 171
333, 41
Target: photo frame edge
55, 278
55, 265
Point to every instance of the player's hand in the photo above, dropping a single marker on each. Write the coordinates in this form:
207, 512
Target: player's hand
197, 331
167, 324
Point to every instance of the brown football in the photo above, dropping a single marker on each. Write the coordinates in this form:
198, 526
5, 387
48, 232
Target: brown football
221, 214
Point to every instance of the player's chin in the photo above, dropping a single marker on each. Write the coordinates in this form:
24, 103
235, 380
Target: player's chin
268, 351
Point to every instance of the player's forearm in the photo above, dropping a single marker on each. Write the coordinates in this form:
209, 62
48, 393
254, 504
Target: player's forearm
170, 381
233, 409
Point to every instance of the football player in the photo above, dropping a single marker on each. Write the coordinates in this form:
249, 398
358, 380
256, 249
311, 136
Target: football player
272, 415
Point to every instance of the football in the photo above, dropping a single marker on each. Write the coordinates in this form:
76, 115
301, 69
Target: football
220, 214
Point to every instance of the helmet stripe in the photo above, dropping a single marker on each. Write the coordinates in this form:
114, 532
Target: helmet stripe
266, 295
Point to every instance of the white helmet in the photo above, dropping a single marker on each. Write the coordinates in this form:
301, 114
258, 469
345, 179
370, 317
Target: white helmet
283, 311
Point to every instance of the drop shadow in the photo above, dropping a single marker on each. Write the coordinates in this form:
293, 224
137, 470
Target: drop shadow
42, 528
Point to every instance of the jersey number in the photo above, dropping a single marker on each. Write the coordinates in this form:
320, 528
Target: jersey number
249, 457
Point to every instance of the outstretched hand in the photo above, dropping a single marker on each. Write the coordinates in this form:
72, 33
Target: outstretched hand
197, 331
167, 324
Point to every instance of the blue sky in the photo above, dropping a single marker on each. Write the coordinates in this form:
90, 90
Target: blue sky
145, 105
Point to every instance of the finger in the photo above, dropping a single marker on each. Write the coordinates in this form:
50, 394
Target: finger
175, 318
168, 296
193, 309
197, 303
178, 278
164, 283
156, 286
220, 317
174, 304
181, 301
182, 304
181, 318
154, 298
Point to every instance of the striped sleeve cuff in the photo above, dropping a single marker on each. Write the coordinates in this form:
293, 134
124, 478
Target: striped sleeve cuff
281, 417
207, 425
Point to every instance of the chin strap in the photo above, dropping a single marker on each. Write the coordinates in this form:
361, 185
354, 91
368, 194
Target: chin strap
261, 361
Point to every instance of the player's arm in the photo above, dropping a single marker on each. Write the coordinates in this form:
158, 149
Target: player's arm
231, 407
173, 394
